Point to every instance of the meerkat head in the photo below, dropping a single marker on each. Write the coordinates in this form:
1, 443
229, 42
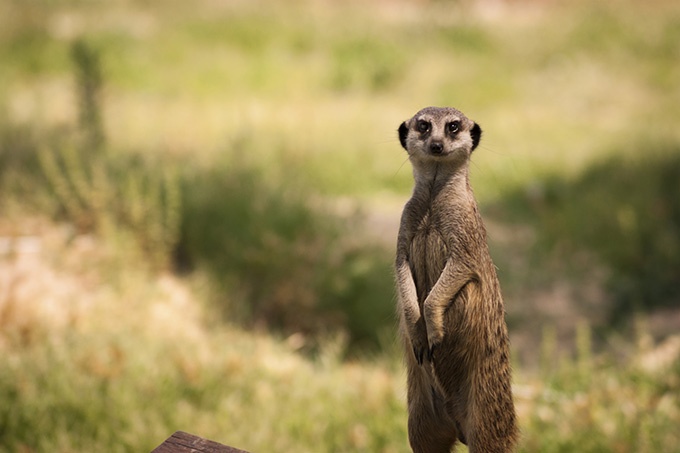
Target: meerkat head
439, 134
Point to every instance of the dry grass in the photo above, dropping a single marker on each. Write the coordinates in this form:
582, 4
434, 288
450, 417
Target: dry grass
100, 358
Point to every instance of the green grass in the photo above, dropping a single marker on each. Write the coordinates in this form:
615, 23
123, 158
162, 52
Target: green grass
103, 375
288, 261
206, 275
624, 213
300, 83
90, 386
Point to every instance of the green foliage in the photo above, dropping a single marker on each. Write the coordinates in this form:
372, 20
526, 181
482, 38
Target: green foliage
366, 63
467, 38
608, 33
282, 263
278, 261
100, 391
624, 212
598, 403
25, 41
19, 166
251, 34
97, 389
89, 84
102, 192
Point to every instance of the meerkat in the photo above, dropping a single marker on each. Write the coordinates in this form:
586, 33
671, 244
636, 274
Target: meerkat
452, 318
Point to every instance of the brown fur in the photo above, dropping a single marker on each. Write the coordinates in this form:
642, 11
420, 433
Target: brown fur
451, 309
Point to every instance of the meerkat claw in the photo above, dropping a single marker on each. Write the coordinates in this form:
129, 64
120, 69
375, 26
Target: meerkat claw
430, 353
419, 355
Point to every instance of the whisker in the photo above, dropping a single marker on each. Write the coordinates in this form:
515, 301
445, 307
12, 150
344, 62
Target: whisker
492, 150
399, 169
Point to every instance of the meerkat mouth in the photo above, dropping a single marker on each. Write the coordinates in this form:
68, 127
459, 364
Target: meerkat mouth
442, 155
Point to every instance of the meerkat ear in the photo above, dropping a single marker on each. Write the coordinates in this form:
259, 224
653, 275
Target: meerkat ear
476, 134
403, 132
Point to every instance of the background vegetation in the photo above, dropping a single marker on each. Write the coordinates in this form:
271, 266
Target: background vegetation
199, 204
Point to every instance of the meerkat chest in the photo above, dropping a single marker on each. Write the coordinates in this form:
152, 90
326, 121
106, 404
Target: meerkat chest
428, 254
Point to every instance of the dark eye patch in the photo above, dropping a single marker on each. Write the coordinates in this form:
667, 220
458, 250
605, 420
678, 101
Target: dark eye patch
423, 126
453, 127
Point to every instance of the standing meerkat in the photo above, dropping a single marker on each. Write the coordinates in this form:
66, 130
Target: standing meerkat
452, 319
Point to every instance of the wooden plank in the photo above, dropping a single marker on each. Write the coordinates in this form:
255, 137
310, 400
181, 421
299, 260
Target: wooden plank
182, 442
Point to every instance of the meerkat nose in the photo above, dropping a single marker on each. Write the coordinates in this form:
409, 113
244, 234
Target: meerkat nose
436, 148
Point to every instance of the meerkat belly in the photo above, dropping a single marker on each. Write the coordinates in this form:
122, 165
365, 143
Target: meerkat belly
428, 257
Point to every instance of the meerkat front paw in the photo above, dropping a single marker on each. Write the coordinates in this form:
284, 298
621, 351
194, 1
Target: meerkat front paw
434, 339
435, 335
419, 342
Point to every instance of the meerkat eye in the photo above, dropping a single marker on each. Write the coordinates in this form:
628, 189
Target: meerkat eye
453, 127
423, 126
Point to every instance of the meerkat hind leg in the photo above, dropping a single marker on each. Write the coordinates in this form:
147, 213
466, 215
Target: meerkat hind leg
430, 430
